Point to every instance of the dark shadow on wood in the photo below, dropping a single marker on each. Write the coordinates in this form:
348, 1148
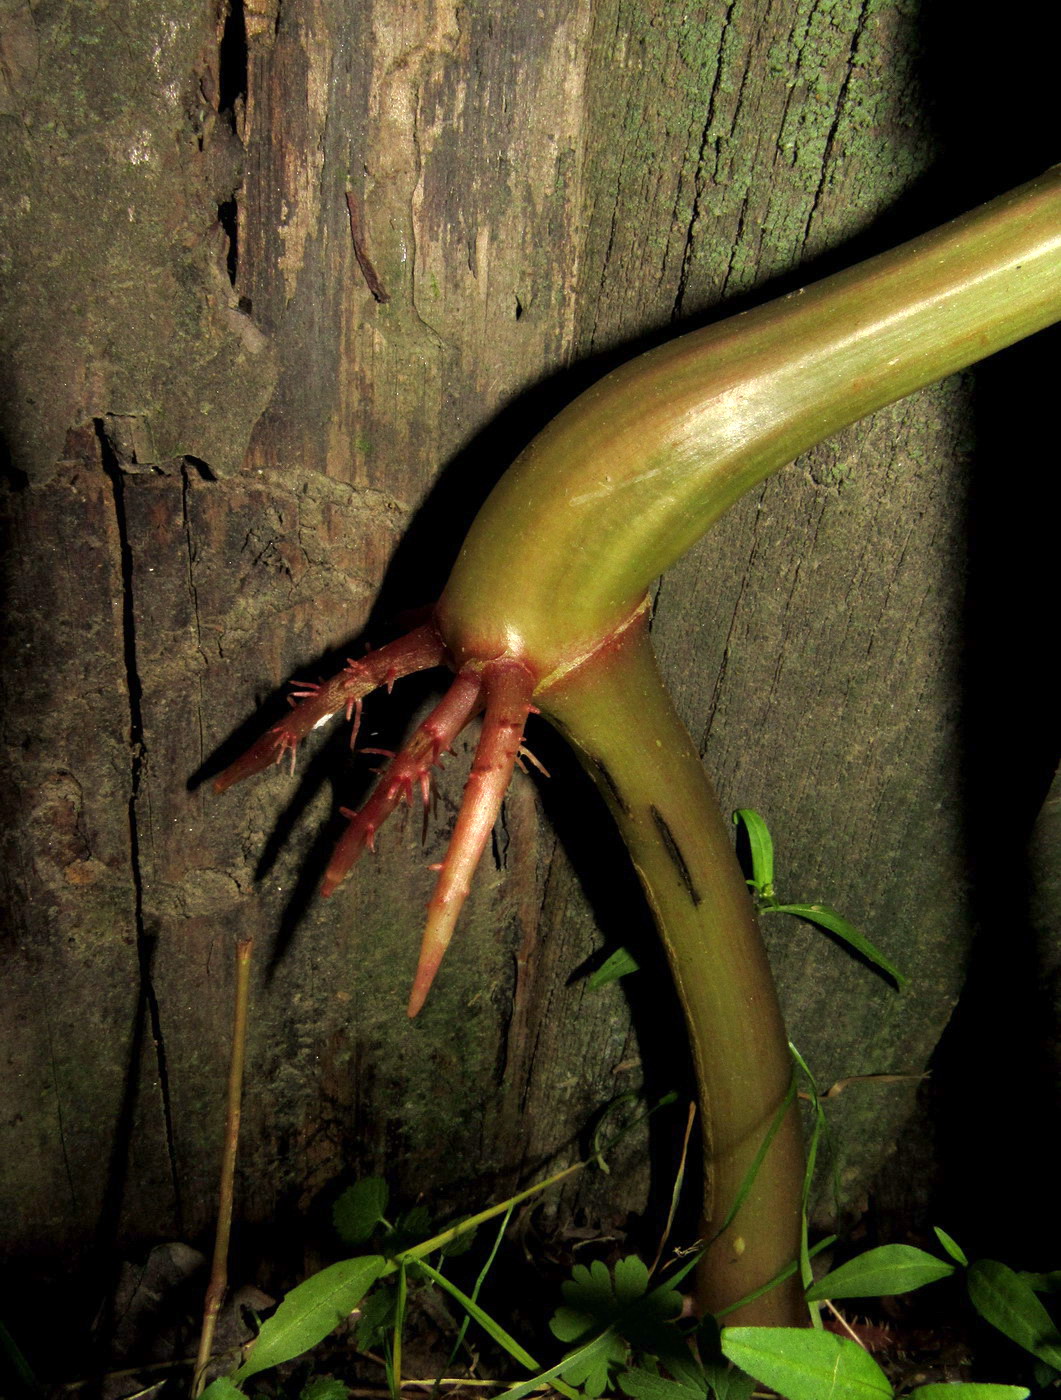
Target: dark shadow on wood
990, 1100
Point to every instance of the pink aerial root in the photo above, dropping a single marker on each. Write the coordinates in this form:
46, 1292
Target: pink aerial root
416, 651
503, 688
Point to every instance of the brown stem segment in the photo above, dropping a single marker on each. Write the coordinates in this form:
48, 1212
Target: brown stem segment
508, 686
616, 713
410, 767
416, 651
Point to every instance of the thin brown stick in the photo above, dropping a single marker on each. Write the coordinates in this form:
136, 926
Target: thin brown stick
842, 1320
215, 1289
676, 1192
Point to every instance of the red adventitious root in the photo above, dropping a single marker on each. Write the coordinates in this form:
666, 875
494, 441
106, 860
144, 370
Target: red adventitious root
411, 767
417, 651
504, 687
507, 686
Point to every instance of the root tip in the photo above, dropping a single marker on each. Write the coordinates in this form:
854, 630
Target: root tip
425, 975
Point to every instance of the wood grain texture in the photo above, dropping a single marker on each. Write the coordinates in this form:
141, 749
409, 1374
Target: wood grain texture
270, 449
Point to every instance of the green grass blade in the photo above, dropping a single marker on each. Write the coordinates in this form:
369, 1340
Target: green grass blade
835, 923
748, 1180
785, 1273
437, 1242
580, 1357
761, 845
399, 1325
17, 1363
480, 1281
620, 964
819, 1130
485, 1321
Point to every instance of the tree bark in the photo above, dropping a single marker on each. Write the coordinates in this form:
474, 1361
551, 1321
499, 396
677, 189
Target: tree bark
290, 286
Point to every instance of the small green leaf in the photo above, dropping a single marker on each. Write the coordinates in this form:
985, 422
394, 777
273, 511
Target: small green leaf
17, 1363
310, 1311
727, 1382
829, 919
620, 964
222, 1389
377, 1317
359, 1210
761, 845
804, 1364
1043, 1374
595, 1347
621, 1306
324, 1388
1042, 1283
461, 1244
592, 1371
410, 1229
647, 1385
1002, 1298
879, 1273
970, 1390
952, 1247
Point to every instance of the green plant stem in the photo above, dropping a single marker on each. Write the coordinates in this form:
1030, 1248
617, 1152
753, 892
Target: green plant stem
620, 720
627, 477
472, 1222
215, 1289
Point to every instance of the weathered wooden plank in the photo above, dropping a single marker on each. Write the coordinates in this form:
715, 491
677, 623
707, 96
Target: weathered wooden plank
450, 218
85, 1152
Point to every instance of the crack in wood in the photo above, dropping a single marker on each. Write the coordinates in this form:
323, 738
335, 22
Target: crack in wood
137, 756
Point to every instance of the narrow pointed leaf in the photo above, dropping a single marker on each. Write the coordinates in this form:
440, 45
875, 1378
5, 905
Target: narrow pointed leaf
1002, 1298
969, 1390
620, 964
829, 919
310, 1311
952, 1247
805, 1364
761, 845
893, 1268
485, 1321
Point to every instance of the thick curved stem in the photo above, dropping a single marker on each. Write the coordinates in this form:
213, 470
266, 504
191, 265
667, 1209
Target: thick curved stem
623, 481
616, 713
